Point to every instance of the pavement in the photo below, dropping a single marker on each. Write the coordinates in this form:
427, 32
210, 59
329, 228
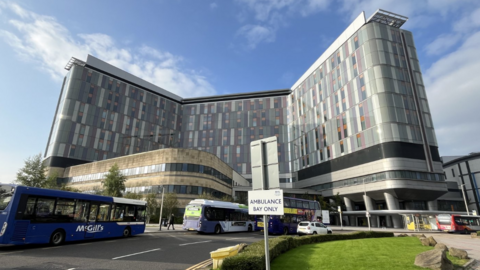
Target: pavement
155, 228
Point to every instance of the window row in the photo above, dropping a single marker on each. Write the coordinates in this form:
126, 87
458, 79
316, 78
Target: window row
381, 177
166, 167
40, 209
179, 189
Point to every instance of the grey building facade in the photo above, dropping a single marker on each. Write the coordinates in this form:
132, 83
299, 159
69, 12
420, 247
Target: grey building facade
356, 123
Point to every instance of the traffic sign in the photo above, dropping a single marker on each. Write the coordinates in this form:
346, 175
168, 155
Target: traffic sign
265, 202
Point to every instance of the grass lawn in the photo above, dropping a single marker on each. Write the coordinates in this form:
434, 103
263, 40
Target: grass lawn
373, 253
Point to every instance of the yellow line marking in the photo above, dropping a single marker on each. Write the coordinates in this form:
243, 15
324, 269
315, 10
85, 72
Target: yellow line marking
201, 264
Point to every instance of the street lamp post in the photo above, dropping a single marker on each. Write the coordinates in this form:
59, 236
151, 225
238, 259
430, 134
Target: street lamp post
365, 199
161, 209
464, 198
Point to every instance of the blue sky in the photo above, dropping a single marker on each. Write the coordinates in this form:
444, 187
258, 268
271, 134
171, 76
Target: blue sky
200, 48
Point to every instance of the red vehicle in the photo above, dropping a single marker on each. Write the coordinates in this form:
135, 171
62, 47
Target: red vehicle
458, 224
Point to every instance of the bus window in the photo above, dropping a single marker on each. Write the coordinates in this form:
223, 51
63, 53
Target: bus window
129, 213
312, 205
103, 212
141, 211
117, 214
81, 211
299, 204
64, 210
305, 205
286, 202
93, 213
29, 212
44, 210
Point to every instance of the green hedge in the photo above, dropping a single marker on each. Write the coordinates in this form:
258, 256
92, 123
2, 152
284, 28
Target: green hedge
478, 233
253, 256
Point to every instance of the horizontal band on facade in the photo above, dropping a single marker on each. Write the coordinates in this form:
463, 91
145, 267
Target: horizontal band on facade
367, 155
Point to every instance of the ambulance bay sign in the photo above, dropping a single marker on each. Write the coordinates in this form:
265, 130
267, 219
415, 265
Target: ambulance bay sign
265, 202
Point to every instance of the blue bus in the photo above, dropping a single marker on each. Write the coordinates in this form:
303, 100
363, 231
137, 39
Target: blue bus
295, 211
34, 215
206, 216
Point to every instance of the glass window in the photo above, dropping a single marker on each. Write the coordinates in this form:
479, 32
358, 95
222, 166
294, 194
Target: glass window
183, 189
312, 205
305, 205
30, 208
64, 210
286, 202
140, 213
118, 212
81, 211
103, 212
44, 209
194, 190
184, 167
129, 213
93, 212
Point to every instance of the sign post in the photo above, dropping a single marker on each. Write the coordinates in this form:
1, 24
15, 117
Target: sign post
266, 197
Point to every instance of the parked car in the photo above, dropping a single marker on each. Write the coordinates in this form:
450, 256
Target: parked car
308, 227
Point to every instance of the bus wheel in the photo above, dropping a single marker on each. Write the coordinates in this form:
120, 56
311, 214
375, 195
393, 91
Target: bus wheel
218, 230
285, 230
249, 228
126, 232
57, 237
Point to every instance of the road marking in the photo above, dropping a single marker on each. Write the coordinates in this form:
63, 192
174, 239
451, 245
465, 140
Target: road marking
200, 265
10, 252
71, 269
51, 247
84, 244
238, 238
195, 243
135, 254
111, 241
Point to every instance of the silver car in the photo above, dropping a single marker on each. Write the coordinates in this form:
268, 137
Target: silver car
308, 227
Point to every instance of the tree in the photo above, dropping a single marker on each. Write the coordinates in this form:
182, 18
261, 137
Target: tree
132, 195
51, 182
242, 198
152, 205
170, 202
114, 182
33, 173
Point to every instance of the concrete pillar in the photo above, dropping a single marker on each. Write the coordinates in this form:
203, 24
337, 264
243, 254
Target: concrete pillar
389, 221
392, 204
370, 205
432, 205
348, 203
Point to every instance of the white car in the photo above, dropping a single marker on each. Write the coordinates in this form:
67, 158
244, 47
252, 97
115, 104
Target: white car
308, 227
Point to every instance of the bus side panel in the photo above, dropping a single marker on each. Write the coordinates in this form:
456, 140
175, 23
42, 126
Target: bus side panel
208, 226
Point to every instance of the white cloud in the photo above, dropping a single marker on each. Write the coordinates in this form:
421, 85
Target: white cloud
271, 15
44, 41
256, 34
442, 43
452, 87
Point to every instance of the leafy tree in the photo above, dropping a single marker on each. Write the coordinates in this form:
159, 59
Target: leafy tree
170, 203
114, 182
132, 195
242, 198
152, 206
97, 190
33, 173
51, 182
69, 188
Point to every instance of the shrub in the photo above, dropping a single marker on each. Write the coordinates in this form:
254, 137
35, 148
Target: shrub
478, 233
253, 256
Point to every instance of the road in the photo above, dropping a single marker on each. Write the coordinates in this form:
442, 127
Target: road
166, 250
